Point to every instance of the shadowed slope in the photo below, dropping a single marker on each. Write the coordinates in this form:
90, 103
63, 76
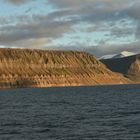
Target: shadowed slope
129, 66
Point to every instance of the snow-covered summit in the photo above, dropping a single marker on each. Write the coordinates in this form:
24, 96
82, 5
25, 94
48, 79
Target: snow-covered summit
120, 55
124, 54
108, 56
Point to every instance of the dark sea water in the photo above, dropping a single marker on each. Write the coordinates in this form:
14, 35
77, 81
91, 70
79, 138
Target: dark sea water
72, 113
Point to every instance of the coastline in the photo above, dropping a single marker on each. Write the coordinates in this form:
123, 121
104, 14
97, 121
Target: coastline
65, 86
38, 68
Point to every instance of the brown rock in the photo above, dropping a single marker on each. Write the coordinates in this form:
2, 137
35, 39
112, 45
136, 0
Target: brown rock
38, 68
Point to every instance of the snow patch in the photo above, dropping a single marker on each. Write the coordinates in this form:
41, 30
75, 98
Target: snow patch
120, 55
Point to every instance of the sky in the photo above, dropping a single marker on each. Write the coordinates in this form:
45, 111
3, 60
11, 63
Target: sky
98, 26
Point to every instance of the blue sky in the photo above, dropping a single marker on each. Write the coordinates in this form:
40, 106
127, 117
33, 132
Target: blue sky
98, 26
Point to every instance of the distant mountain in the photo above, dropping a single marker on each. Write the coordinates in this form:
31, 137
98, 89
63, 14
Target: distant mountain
120, 55
128, 65
38, 68
107, 56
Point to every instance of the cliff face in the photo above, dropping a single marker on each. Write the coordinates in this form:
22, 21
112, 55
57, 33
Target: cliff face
38, 68
134, 70
128, 66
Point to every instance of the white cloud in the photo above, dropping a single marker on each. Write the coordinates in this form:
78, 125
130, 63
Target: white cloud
37, 29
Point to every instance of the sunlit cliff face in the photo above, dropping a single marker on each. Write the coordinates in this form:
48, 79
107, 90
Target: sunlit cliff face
98, 26
37, 68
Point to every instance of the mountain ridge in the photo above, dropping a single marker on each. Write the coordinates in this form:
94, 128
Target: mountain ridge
128, 66
42, 68
120, 55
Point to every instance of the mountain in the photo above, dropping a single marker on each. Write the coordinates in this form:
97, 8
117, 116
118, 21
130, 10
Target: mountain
38, 68
129, 66
120, 55
107, 56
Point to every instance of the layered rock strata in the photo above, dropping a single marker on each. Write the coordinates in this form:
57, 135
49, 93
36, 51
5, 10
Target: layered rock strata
38, 68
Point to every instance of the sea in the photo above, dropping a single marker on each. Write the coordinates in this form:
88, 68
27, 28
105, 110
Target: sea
71, 113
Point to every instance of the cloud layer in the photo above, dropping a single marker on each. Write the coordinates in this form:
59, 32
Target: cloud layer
18, 1
117, 24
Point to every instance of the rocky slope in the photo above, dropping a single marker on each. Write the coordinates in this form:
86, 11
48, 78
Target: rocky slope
129, 66
38, 68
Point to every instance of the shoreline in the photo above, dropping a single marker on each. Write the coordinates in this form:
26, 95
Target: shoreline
67, 86
43, 69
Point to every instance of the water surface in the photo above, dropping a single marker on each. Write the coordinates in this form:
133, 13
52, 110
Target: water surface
71, 113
